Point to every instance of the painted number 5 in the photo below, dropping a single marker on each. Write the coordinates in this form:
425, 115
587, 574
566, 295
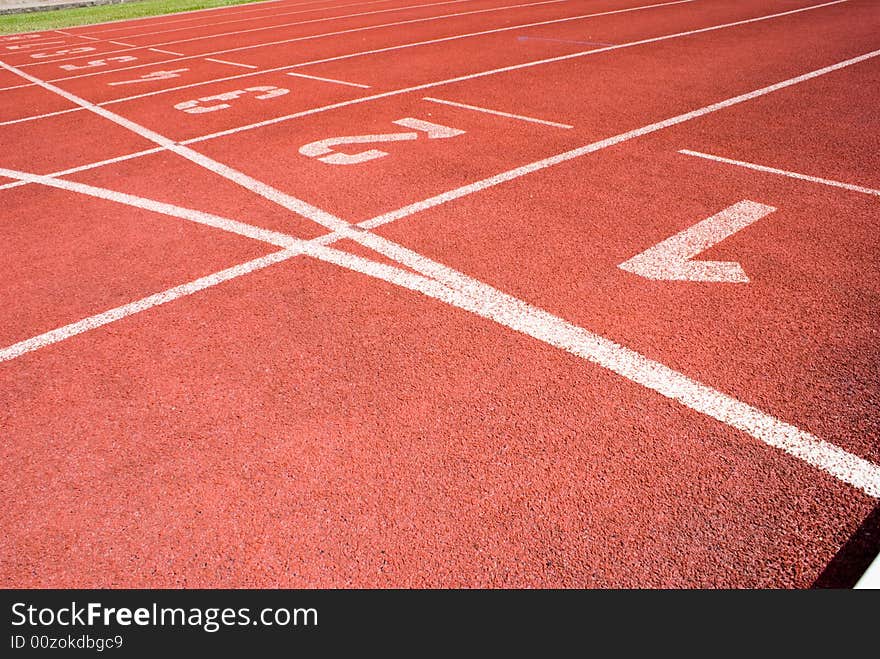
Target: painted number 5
196, 107
323, 149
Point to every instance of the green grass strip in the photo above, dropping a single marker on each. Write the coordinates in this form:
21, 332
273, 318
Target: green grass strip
61, 18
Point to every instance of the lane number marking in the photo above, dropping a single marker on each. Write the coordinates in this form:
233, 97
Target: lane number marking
195, 107
323, 150
98, 62
672, 259
64, 51
150, 77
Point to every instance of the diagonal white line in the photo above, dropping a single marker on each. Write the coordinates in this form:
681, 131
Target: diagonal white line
782, 172
476, 108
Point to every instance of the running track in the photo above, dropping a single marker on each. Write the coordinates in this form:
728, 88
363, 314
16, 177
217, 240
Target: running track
562, 293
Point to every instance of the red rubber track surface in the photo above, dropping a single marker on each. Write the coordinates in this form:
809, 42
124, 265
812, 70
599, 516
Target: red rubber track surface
306, 423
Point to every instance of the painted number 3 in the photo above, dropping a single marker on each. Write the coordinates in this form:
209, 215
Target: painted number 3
196, 106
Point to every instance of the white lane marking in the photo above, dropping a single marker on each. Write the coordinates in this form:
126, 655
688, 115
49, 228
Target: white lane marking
153, 76
457, 289
323, 149
166, 52
239, 64
28, 45
672, 259
64, 51
38, 116
333, 80
870, 580
92, 165
369, 52
112, 315
185, 18
316, 20
195, 106
127, 45
505, 69
608, 142
496, 112
782, 172
309, 37
208, 219
79, 36
98, 63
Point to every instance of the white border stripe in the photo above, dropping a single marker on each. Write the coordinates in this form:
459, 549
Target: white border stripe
333, 80
220, 61
782, 172
92, 322
92, 165
496, 112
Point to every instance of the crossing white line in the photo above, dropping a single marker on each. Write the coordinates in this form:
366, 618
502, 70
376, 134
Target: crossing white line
459, 290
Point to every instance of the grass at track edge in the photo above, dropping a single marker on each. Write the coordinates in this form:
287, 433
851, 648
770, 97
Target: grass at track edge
50, 19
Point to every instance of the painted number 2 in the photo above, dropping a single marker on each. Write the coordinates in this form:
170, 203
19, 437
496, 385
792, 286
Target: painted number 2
195, 106
323, 149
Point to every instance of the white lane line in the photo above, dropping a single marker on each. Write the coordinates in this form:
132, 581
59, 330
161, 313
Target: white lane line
220, 61
333, 80
673, 259
310, 37
4, 89
92, 165
208, 219
496, 112
362, 53
78, 36
457, 289
166, 52
610, 141
117, 43
283, 25
782, 172
870, 580
38, 116
505, 69
112, 315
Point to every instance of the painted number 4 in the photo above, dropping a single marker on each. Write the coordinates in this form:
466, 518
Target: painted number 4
323, 150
